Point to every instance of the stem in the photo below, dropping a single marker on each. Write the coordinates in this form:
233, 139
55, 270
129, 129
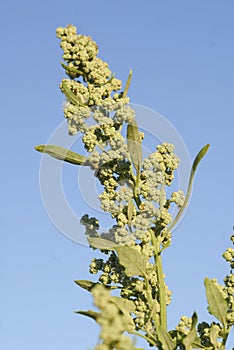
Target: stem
151, 300
225, 337
162, 301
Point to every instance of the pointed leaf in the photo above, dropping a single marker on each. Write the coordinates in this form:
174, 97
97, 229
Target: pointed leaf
134, 262
89, 313
197, 344
101, 243
126, 307
197, 160
214, 335
62, 154
130, 211
134, 144
189, 340
88, 285
127, 84
71, 96
72, 70
165, 339
217, 305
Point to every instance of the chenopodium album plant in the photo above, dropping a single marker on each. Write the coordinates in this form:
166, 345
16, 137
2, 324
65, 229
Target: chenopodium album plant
135, 195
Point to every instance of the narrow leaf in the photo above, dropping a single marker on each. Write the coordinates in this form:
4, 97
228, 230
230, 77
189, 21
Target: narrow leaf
71, 96
89, 313
199, 157
127, 84
62, 154
214, 335
134, 144
88, 285
130, 211
197, 344
197, 160
217, 305
126, 307
189, 340
72, 70
101, 243
165, 339
134, 262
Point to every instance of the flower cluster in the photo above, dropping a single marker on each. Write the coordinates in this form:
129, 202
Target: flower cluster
210, 335
133, 289
91, 82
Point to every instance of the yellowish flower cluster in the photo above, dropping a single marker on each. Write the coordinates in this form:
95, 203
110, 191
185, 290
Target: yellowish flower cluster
91, 81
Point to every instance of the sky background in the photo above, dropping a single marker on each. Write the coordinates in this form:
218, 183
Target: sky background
182, 56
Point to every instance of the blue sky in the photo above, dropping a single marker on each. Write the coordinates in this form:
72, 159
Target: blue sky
182, 55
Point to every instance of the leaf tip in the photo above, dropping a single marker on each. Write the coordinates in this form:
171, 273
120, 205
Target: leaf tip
39, 148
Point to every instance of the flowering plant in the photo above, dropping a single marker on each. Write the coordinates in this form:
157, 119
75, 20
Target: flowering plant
135, 194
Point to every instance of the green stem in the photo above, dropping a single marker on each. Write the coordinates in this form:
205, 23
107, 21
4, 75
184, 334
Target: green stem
151, 302
225, 337
162, 299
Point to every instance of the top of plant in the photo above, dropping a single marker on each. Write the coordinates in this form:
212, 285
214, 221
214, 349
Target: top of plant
135, 194
91, 81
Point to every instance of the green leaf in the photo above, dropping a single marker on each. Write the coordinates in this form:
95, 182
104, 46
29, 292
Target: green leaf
189, 340
165, 339
72, 70
71, 96
89, 313
100, 243
130, 211
214, 335
197, 344
127, 84
61, 153
126, 307
88, 285
134, 144
217, 305
133, 262
197, 160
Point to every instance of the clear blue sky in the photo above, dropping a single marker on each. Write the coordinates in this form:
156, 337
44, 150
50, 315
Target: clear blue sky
182, 56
